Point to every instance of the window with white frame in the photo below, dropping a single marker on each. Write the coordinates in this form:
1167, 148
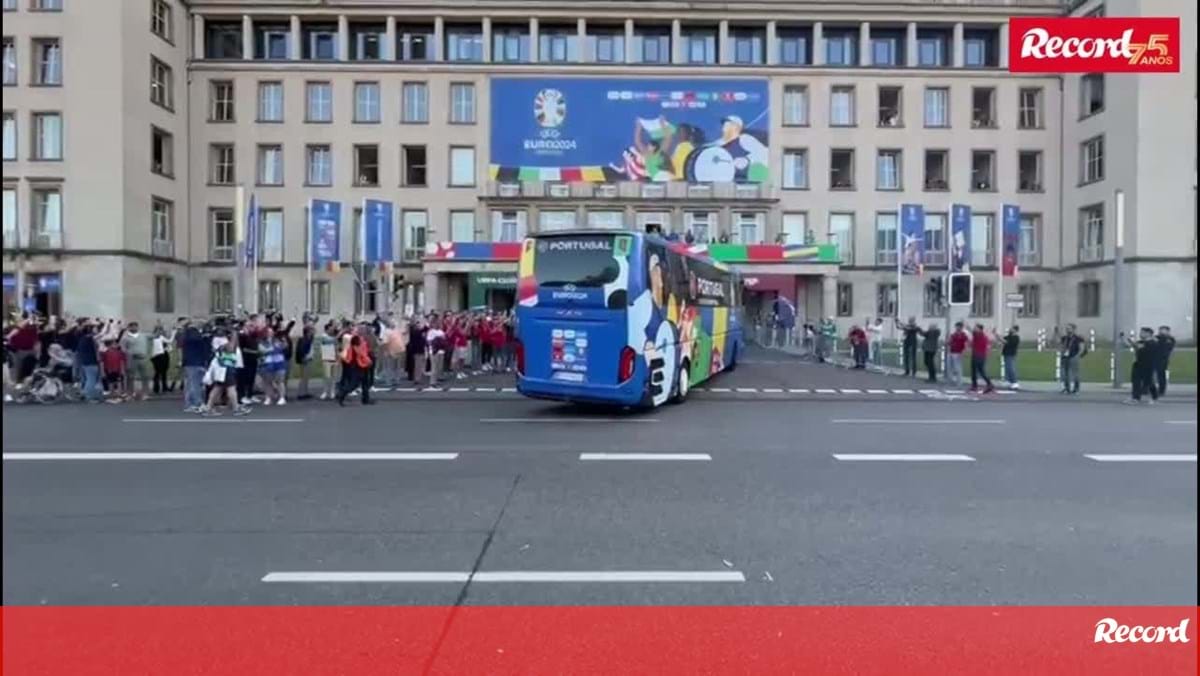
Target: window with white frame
320, 42
164, 294
1091, 159
845, 299
937, 170
220, 101
366, 165
270, 164
983, 170
47, 136
416, 224
794, 228
320, 166
550, 221
508, 225
10, 218
10, 135
414, 103
607, 219
606, 45
1029, 108
462, 166
1091, 94
318, 102
983, 239
270, 295
1091, 233
841, 169
271, 41
162, 84
841, 234
413, 165
885, 238
162, 227
270, 102
10, 61
1029, 171
47, 227
270, 239
462, 103
795, 106
841, 106
748, 227
935, 238
933, 304
891, 109
221, 235
320, 297
220, 296
887, 170
462, 226
162, 152
887, 298
937, 107
1089, 299
161, 20
47, 61
46, 5
795, 168
366, 102
983, 302
699, 226
1030, 251
221, 164
1031, 301
656, 222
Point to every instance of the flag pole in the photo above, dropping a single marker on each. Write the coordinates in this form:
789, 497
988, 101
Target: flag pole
1000, 270
239, 248
308, 280
257, 253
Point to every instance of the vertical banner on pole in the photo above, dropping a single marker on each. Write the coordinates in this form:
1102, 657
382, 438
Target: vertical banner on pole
325, 235
253, 240
960, 238
239, 244
379, 249
1010, 243
912, 239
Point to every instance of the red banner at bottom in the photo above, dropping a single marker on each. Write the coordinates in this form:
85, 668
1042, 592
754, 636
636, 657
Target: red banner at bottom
584, 640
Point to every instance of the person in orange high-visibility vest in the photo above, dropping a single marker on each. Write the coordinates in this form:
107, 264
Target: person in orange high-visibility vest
356, 360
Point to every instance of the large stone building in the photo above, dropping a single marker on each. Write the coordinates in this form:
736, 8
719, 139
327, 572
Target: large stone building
129, 125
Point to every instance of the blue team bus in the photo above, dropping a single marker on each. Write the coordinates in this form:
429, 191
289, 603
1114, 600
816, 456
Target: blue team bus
622, 318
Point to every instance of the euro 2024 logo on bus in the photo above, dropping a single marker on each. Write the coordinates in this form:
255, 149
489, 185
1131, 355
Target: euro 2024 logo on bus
550, 111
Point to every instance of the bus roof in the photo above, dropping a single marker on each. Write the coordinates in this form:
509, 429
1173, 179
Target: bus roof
698, 252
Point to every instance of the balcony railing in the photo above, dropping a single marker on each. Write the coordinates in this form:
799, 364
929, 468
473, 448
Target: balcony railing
1031, 259
45, 240
1090, 254
629, 190
162, 248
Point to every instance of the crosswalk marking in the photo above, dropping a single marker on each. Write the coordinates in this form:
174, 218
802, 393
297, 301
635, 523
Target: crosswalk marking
772, 390
877, 391
851, 391
826, 391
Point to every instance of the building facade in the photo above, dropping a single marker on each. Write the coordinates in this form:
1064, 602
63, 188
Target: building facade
129, 126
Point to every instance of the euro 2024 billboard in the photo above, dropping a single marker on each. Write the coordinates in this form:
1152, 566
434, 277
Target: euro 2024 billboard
608, 130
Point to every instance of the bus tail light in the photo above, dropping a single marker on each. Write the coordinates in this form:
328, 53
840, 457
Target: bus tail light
625, 367
520, 349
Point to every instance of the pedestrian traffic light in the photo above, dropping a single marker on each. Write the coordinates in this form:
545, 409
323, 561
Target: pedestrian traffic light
962, 288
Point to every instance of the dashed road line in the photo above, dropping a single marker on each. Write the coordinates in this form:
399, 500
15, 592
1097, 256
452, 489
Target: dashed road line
187, 456
506, 576
772, 390
909, 421
703, 457
1141, 457
825, 391
566, 421
197, 419
877, 391
903, 457
851, 390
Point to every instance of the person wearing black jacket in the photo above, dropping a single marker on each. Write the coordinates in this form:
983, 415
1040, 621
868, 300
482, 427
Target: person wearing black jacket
911, 331
414, 356
1144, 361
929, 345
1011, 343
247, 341
304, 349
1162, 361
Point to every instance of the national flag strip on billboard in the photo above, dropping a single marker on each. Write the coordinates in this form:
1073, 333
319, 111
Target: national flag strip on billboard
377, 236
1010, 239
325, 235
960, 238
911, 239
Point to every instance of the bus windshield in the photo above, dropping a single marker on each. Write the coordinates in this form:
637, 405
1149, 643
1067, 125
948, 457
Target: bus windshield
583, 261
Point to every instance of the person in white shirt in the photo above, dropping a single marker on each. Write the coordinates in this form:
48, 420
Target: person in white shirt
875, 341
160, 358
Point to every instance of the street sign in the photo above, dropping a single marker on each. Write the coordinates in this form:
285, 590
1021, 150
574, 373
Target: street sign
1015, 301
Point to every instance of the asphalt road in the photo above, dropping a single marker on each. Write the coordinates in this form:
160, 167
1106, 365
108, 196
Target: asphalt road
764, 498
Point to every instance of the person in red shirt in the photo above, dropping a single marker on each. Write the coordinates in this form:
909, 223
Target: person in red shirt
496, 338
979, 352
957, 345
858, 346
112, 359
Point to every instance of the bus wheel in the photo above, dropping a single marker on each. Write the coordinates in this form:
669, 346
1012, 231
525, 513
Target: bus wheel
683, 383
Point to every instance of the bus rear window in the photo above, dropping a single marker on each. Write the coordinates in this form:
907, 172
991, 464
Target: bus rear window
582, 261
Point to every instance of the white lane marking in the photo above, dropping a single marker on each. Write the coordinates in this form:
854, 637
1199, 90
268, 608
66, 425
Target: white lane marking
1180, 422
1004, 392
563, 421
797, 390
906, 421
772, 390
508, 389
903, 457
460, 389
877, 391
903, 392
747, 389
1141, 457
485, 389
718, 389
851, 390
229, 456
212, 420
625, 576
645, 456
930, 391
826, 391
404, 389
433, 389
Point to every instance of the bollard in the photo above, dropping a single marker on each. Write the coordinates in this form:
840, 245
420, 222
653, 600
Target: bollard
1112, 366
1057, 368
1092, 340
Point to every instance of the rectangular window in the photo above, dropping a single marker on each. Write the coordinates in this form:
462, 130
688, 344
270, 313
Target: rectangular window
932, 302
841, 107
320, 42
270, 165
164, 294
162, 152
10, 135
220, 297
1031, 297
162, 228
886, 297
220, 162
270, 295
162, 84
366, 102
606, 45
795, 168
983, 107
270, 235
462, 226
10, 61
983, 170
841, 234
10, 218
223, 39
890, 107
979, 48
1089, 299
841, 47
700, 46
1030, 253
416, 224
885, 51
651, 45
220, 101
983, 303
320, 297
462, 166
795, 106
318, 102
983, 239
464, 43
935, 239
271, 41
1091, 233
1091, 159
1029, 108
748, 46
885, 239
415, 103
747, 227
699, 226
1029, 171
415, 43
508, 226
654, 222
270, 102
366, 41
320, 166
161, 20
366, 165
937, 107
221, 235
414, 160
606, 220
462, 103
47, 136
510, 44
888, 170
47, 226
558, 44
937, 170
47, 62
931, 48
845, 299
841, 169
550, 221
1091, 94
793, 46
795, 228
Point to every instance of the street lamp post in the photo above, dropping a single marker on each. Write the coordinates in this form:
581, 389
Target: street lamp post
1118, 274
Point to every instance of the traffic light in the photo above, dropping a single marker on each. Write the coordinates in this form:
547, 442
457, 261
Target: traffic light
962, 288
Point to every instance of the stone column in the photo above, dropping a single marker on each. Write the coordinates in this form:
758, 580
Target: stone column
391, 50
864, 44
198, 37
818, 44
957, 48
676, 42
630, 54
582, 55
343, 50
724, 53
487, 39
535, 41
1002, 50
439, 40
772, 45
828, 295
910, 44
247, 37
294, 39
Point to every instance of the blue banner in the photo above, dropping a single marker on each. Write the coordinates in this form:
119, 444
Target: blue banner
325, 234
378, 225
1010, 238
607, 130
252, 242
912, 239
960, 238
